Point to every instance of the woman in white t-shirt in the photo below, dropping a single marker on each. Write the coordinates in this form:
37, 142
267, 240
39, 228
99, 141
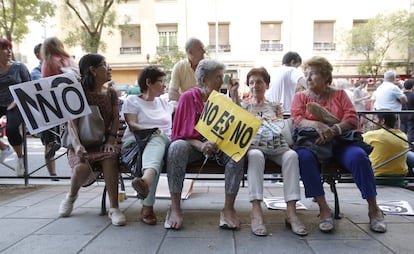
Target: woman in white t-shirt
147, 111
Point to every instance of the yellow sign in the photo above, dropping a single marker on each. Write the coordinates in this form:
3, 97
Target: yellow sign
228, 125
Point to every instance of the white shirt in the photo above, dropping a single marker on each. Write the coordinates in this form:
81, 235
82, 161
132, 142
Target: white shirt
387, 97
283, 86
150, 114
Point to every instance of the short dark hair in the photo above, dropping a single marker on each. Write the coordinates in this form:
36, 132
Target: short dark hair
37, 48
408, 84
289, 56
259, 71
389, 119
152, 73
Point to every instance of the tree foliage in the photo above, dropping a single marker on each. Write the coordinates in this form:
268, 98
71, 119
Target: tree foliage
93, 16
16, 14
167, 60
376, 37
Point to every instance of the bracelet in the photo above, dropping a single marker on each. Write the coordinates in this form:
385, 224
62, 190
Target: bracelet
339, 128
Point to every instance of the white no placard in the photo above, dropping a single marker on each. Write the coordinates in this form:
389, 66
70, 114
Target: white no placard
48, 102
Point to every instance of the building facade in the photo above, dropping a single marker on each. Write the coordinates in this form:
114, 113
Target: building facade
242, 34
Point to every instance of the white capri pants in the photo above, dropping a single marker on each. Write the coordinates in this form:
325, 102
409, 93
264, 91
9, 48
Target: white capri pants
286, 158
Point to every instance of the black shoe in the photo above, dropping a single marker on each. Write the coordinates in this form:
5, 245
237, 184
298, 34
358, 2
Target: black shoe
51, 149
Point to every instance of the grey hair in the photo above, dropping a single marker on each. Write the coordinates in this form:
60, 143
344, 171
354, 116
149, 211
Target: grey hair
205, 68
390, 76
190, 42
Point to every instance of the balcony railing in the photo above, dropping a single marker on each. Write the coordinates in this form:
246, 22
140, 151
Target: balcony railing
271, 47
324, 46
166, 49
130, 50
221, 48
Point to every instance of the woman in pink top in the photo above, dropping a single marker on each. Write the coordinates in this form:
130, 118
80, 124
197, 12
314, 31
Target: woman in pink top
332, 119
189, 146
54, 61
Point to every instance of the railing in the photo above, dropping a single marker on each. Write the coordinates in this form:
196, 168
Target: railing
130, 50
324, 46
271, 47
166, 49
221, 48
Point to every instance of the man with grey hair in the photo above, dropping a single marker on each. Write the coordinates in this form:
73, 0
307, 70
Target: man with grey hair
182, 75
388, 96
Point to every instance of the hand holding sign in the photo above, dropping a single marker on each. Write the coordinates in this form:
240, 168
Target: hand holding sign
227, 125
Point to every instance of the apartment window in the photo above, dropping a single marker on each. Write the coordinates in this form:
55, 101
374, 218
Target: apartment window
223, 37
361, 41
167, 38
270, 36
323, 35
130, 40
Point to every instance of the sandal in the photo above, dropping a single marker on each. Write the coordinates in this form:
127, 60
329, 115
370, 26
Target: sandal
258, 228
141, 187
327, 225
296, 225
148, 216
224, 224
377, 224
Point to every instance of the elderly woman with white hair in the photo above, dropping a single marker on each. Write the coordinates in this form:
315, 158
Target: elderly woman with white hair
188, 146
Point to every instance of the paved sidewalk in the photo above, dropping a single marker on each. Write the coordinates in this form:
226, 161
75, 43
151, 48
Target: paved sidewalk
29, 223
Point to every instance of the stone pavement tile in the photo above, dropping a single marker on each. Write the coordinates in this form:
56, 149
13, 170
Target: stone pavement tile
200, 234
399, 237
135, 237
346, 246
278, 242
50, 244
13, 230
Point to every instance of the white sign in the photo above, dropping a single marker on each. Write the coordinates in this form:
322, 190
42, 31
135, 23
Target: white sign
48, 102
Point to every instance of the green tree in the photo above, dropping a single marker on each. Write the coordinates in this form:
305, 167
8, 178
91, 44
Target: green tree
167, 60
375, 38
94, 16
15, 15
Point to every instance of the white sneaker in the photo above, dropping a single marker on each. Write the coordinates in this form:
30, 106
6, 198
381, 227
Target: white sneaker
20, 167
66, 206
117, 217
5, 153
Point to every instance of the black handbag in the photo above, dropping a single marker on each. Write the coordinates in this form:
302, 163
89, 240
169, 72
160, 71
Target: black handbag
131, 155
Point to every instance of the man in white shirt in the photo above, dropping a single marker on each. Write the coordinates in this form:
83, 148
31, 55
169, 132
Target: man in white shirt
286, 81
388, 96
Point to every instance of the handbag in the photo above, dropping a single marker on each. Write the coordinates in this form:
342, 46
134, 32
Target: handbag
131, 155
91, 130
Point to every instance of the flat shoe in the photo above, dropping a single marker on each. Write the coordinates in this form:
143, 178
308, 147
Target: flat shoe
327, 225
141, 187
167, 217
223, 223
296, 225
148, 217
378, 225
258, 228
